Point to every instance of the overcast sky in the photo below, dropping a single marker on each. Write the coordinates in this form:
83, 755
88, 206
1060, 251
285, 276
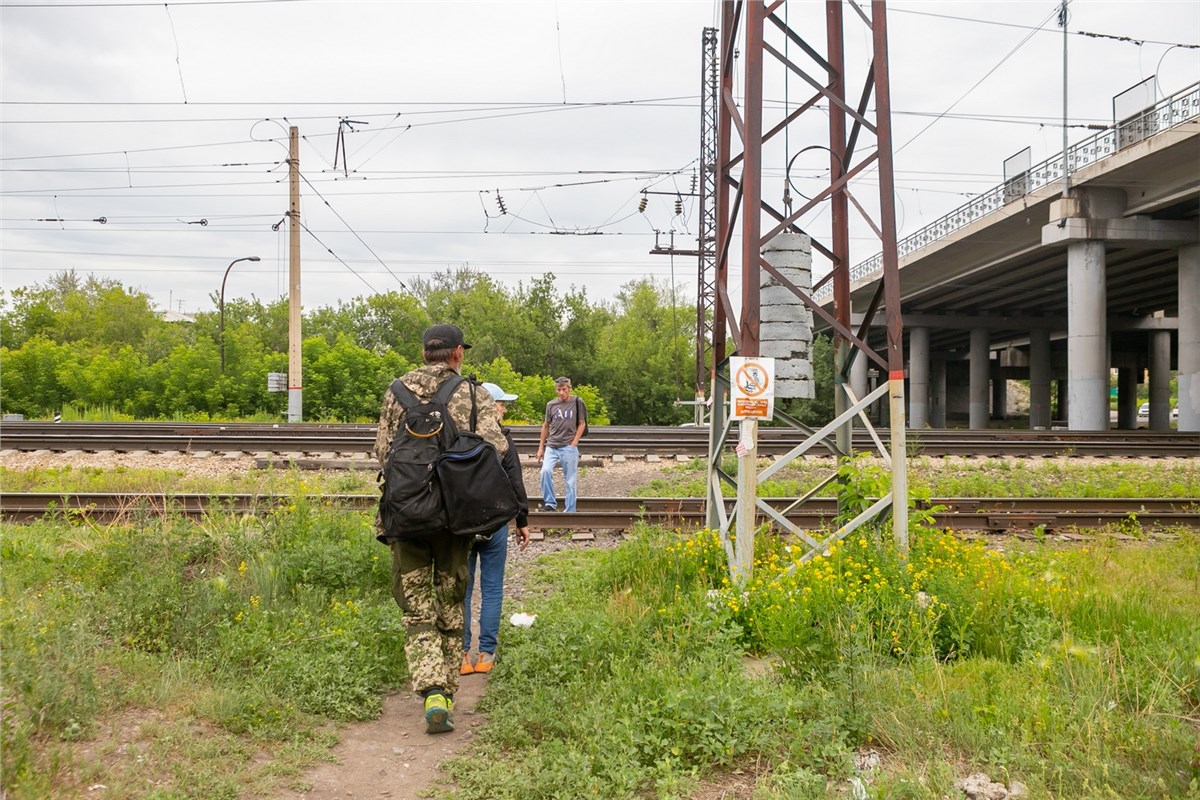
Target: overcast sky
170, 122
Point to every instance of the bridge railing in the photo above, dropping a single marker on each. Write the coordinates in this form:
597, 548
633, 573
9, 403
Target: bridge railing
1169, 112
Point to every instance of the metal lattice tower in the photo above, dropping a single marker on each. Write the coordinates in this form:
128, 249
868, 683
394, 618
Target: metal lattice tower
707, 267
858, 140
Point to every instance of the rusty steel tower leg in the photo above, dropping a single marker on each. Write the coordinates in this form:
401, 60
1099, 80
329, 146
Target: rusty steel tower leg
843, 350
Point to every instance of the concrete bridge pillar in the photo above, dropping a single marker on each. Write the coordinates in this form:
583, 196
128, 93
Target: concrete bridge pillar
1189, 337
1160, 380
1039, 378
937, 393
918, 377
977, 408
1087, 338
1126, 398
999, 398
858, 376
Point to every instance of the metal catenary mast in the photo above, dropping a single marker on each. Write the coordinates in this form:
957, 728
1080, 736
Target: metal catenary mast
858, 139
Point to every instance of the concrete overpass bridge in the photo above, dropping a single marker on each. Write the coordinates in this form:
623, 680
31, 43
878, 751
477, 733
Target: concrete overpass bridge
1024, 283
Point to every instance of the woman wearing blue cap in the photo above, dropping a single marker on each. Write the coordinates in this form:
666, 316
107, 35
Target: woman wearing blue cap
490, 553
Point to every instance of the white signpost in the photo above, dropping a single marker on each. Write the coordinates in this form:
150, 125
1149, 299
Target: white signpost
752, 399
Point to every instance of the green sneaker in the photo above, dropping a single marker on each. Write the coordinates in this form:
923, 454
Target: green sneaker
437, 714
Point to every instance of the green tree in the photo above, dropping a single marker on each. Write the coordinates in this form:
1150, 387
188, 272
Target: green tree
474, 302
112, 376
380, 323
30, 312
188, 381
646, 356
33, 377
576, 347
344, 381
105, 312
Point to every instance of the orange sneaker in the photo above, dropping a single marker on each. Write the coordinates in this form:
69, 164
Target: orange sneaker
485, 663
467, 666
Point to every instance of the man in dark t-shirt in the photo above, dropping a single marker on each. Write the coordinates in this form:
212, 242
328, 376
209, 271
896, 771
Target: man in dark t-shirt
562, 428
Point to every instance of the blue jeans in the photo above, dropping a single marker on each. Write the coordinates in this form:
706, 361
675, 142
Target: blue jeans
569, 458
491, 556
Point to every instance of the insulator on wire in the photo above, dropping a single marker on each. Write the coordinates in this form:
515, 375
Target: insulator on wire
678, 206
693, 182
500, 202
642, 204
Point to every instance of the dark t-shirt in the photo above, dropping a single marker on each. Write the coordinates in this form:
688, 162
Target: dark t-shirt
561, 416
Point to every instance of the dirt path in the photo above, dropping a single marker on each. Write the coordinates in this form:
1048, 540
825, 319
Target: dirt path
393, 757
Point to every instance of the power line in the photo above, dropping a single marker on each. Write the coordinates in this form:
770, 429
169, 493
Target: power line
1128, 39
977, 83
145, 5
488, 104
522, 109
591, 265
349, 228
338, 258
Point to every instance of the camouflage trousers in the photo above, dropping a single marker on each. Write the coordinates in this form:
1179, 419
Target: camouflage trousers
429, 582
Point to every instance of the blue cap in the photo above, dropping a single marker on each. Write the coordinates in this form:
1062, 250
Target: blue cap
498, 394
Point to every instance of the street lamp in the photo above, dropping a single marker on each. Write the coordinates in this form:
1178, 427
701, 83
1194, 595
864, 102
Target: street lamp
231, 263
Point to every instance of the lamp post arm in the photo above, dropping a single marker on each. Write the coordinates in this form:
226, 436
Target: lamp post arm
222, 303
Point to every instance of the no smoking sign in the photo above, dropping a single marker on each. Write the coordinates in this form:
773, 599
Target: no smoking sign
753, 395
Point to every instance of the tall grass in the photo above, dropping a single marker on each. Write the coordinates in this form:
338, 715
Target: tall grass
1076, 673
952, 476
183, 652
233, 633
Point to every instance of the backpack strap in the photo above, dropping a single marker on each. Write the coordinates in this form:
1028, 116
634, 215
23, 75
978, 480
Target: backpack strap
403, 395
446, 390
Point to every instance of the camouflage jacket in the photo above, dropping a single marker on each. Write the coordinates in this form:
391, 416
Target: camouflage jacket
424, 383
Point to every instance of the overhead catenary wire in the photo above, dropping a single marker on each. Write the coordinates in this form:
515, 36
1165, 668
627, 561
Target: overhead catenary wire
338, 258
977, 83
1088, 34
351, 229
119, 4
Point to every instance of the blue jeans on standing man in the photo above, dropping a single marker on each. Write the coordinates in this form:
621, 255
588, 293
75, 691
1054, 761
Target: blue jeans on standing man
568, 456
490, 555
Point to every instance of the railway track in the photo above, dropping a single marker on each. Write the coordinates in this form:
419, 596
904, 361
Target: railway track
331, 440
621, 513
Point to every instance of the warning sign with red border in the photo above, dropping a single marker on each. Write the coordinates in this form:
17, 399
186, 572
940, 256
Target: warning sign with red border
753, 382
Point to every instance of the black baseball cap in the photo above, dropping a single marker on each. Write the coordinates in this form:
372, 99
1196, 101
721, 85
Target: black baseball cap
443, 337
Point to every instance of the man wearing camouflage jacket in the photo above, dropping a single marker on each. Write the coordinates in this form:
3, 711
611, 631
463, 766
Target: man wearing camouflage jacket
429, 574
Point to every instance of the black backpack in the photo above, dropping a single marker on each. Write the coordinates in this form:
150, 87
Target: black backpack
579, 405
437, 478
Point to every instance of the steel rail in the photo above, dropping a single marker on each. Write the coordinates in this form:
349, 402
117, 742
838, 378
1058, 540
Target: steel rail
330, 440
621, 513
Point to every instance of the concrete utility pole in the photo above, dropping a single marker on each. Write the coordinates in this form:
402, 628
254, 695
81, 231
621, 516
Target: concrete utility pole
295, 378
